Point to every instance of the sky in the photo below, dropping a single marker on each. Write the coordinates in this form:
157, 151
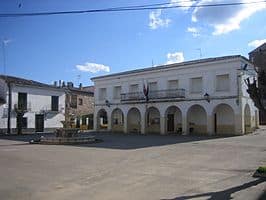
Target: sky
77, 47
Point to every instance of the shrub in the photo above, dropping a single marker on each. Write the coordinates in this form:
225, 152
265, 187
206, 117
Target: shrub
262, 170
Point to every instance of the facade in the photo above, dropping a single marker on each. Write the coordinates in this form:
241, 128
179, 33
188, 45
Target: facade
79, 107
43, 106
206, 96
258, 58
3, 90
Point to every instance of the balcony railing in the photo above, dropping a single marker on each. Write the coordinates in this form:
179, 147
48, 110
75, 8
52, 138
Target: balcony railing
157, 94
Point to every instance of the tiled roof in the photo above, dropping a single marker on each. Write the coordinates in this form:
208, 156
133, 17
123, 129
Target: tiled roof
205, 60
26, 82
261, 47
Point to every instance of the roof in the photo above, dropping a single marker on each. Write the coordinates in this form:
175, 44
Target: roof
259, 48
26, 82
174, 65
89, 88
82, 90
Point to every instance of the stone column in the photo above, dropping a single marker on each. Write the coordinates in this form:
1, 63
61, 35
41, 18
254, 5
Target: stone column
109, 118
162, 125
210, 128
184, 125
125, 124
95, 121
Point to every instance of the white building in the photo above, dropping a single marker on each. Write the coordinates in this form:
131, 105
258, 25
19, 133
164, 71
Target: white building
44, 105
206, 96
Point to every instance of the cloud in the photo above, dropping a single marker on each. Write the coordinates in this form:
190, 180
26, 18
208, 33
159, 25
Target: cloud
186, 4
194, 31
93, 67
225, 19
176, 57
156, 21
256, 43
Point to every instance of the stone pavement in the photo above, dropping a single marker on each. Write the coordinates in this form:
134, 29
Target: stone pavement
134, 167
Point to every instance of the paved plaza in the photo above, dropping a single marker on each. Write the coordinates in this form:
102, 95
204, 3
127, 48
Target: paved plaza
134, 167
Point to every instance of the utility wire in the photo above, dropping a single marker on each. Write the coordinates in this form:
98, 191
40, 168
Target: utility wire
129, 8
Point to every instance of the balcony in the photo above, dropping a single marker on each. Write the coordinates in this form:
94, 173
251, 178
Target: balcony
153, 95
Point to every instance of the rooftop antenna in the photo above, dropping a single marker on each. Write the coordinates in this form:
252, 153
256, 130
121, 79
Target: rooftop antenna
200, 53
78, 78
152, 62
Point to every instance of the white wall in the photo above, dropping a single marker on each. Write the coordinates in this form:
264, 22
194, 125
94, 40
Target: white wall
38, 99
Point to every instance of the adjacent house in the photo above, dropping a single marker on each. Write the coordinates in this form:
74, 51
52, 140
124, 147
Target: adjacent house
3, 90
79, 106
206, 96
258, 58
42, 105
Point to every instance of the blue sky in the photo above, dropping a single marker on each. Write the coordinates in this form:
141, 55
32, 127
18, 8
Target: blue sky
66, 47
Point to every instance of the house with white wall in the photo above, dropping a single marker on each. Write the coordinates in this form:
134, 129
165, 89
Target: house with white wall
206, 96
43, 106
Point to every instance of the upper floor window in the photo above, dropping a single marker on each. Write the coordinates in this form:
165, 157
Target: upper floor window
222, 82
80, 101
55, 102
134, 88
153, 86
102, 94
73, 101
117, 92
196, 85
173, 84
22, 101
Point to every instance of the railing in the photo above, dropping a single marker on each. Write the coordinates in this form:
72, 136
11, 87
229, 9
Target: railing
157, 94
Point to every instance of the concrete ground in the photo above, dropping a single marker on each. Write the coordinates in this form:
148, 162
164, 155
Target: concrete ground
134, 167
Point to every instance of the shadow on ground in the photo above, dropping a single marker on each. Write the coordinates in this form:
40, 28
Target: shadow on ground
224, 194
119, 141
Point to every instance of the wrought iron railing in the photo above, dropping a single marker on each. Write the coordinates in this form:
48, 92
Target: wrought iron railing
157, 94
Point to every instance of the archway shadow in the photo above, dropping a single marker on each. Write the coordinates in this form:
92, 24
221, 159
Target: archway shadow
223, 194
120, 140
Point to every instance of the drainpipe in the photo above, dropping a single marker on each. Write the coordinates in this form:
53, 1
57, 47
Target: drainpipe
9, 109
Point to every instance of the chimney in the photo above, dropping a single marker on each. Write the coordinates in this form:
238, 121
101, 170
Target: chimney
55, 83
80, 86
59, 83
63, 84
70, 85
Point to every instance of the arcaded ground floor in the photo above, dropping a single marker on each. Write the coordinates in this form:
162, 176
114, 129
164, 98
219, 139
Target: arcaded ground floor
134, 167
218, 117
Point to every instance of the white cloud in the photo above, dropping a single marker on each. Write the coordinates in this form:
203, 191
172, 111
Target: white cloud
176, 57
225, 19
256, 43
186, 4
156, 21
93, 67
194, 31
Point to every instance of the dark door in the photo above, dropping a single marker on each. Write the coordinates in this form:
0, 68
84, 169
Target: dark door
170, 122
39, 123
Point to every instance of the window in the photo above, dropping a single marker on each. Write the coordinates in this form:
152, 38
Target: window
134, 88
22, 101
102, 94
73, 101
55, 102
153, 86
117, 92
173, 84
196, 85
24, 122
80, 101
222, 82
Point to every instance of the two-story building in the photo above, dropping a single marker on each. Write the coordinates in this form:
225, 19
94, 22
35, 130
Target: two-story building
79, 106
206, 96
43, 106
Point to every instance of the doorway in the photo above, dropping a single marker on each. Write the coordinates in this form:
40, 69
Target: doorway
170, 122
39, 123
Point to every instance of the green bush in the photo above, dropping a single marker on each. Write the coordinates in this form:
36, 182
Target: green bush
262, 170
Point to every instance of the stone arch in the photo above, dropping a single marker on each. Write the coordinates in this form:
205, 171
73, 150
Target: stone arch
102, 119
173, 116
223, 119
117, 119
133, 120
152, 120
247, 119
197, 120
